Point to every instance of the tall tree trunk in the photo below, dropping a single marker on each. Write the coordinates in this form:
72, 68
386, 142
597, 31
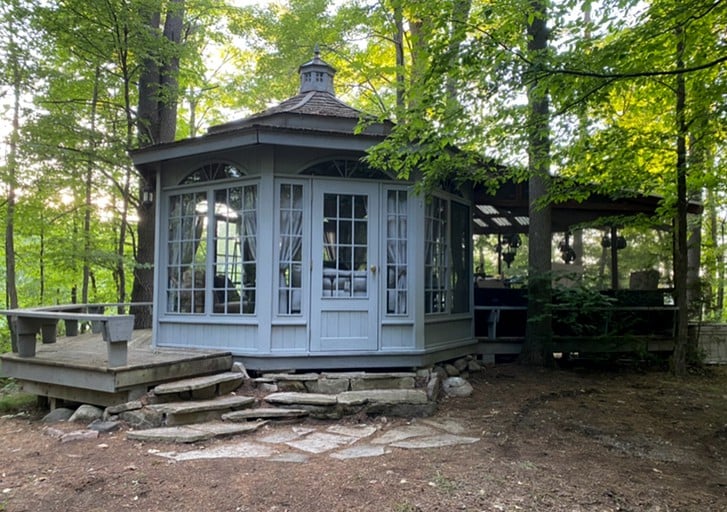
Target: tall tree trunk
11, 290
169, 70
536, 348
681, 346
158, 91
88, 206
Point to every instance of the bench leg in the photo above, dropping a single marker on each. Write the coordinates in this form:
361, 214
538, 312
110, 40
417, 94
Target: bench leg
48, 331
118, 353
27, 331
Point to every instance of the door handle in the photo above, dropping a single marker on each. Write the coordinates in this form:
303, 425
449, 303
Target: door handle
373, 269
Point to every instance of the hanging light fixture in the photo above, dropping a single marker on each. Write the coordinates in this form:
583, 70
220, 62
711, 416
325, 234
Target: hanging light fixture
147, 195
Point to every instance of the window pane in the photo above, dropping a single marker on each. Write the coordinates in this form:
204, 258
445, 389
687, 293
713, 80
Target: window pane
396, 247
290, 251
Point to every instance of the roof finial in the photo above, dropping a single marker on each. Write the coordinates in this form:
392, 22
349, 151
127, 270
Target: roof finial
317, 51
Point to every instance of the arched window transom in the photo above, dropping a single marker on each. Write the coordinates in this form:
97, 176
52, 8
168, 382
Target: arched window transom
345, 168
212, 172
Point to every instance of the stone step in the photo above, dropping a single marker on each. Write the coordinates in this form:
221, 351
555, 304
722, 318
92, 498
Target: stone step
272, 413
199, 388
183, 413
194, 433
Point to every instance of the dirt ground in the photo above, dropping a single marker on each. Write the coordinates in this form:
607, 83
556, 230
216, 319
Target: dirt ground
575, 440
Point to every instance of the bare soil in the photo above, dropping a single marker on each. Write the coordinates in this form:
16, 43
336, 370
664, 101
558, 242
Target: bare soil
576, 440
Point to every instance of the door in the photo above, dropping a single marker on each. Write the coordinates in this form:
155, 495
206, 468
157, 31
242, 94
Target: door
344, 288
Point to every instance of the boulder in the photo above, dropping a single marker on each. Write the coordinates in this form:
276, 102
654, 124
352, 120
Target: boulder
457, 386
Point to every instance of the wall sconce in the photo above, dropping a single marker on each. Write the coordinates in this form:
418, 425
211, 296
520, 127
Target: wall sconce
147, 196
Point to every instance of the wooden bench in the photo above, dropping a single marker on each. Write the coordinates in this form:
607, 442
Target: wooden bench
116, 330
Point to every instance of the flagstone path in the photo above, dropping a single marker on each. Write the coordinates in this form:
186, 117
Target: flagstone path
297, 444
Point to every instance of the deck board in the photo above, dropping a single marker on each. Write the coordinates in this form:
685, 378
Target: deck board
78, 366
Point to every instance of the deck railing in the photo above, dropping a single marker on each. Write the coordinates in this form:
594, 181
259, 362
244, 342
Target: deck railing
116, 329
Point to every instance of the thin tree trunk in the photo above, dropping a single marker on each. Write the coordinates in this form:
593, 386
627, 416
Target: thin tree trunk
88, 206
11, 290
536, 348
681, 345
399, 46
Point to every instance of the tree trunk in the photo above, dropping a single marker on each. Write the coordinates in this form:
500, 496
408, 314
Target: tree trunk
158, 91
11, 291
168, 72
536, 348
88, 206
681, 345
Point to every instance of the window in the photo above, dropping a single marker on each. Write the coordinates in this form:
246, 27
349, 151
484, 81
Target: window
447, 256
290, 252
345, 168
345, 245
235, 258
220, 278
396, 247
186, 249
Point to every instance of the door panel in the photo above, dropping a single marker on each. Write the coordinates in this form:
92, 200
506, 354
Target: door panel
344, 278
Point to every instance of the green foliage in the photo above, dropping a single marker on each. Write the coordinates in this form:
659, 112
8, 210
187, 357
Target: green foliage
12, 400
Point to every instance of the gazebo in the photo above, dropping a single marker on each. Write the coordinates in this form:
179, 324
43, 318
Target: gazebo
276, 243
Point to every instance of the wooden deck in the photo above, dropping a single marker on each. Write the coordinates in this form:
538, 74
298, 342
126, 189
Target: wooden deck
76, 368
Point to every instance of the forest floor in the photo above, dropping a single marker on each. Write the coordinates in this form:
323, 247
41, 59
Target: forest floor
549, 440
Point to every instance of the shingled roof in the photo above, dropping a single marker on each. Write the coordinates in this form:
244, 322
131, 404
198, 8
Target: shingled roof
315, 100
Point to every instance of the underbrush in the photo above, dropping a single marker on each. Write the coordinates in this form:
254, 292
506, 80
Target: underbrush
13, 400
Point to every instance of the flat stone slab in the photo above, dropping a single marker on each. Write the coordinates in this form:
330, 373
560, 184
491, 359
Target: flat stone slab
360, 451
284, 437
437, 441
244, 450
357, 431
264, 412
368, 375
302, 377
293, 398
400, 433
320, 442
217, 404
197, 383
448, 425
193, 434
383, 396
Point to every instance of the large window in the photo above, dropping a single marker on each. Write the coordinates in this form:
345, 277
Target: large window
447, 257
396, 247
212, 251
290, 251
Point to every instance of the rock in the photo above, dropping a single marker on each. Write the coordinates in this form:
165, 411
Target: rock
79, 435
451, 370
461, 364
118, 409
301, 399
474, 366
104, 427
57, 415
434, 387
294, 386
331, 386
457, 386
383, 396
240, 368
267, 387
142, 418
405, 382
86, 414
53, 432
441, 373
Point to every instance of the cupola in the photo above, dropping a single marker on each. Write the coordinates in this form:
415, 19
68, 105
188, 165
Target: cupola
316, 75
